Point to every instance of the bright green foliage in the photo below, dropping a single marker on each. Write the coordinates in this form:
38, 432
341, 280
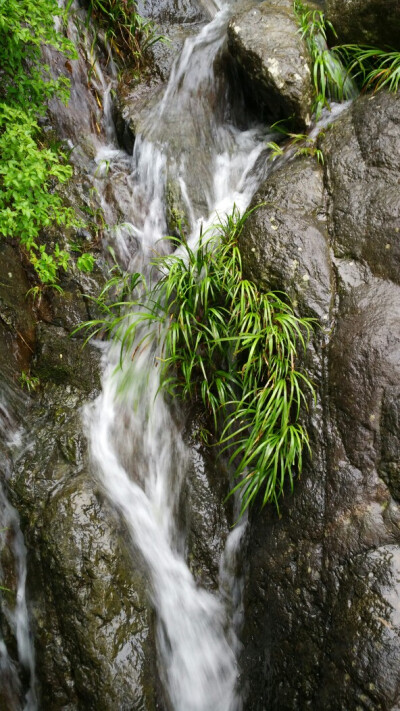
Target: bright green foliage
26, 203
128, 33
30, 382
85, 262
29, 171
224, 341
304, 144
25, 26
331, 80
371, 67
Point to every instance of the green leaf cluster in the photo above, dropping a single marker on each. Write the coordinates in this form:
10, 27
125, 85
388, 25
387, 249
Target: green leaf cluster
219, 338
25, 27
30, 171
330, 78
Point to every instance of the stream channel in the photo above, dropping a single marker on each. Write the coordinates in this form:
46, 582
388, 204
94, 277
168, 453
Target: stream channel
196, 635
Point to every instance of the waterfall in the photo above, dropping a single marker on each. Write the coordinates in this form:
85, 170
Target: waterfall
138, 451
17, 674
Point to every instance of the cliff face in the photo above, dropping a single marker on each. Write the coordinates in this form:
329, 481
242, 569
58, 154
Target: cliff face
322, 627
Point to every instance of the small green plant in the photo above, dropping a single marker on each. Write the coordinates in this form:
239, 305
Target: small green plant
127, 32
30, 382
85, 262
305, 145
371, 67
331, 79
223, 341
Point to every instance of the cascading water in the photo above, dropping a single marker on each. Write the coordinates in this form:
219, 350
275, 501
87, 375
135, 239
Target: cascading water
136, 441
17, 672
138, 449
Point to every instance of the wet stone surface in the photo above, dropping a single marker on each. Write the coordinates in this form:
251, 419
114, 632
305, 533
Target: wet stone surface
273, 60
92, 621
322, 628
373, 22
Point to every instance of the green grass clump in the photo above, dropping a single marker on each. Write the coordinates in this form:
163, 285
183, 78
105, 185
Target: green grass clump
331, 79
372, 68
218, 338
336, 71
127, 32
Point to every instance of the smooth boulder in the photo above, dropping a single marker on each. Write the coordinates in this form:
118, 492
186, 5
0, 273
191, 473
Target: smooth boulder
273, 60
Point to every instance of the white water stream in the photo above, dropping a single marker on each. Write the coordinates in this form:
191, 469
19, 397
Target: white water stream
139, 454
137, 447
13, 604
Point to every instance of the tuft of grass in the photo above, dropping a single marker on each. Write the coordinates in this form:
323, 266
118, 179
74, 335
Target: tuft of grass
337, 71
221, 340
331, 79
30, 382
304, 144
372, 68
127, 32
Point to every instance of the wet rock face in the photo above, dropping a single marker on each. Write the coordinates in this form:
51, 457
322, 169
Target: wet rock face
285, 244
173, 11
136, 95
273, 59
91, 617
322, 628
17, 318
375, 22
362, 180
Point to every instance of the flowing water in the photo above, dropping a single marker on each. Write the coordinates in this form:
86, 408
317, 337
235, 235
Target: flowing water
192, 140
17, 668
136, 440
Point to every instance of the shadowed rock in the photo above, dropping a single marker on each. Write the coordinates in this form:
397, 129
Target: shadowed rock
322, 627
273, 58
375, 22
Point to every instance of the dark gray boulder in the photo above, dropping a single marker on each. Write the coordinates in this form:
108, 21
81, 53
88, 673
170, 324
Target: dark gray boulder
362, 180
322, 628
374, 22
264, 39
285, 244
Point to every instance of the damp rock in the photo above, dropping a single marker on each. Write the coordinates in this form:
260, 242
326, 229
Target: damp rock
93, 625
17, 317
373, 22
273, 61
285, 241
62, 360
323, 588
